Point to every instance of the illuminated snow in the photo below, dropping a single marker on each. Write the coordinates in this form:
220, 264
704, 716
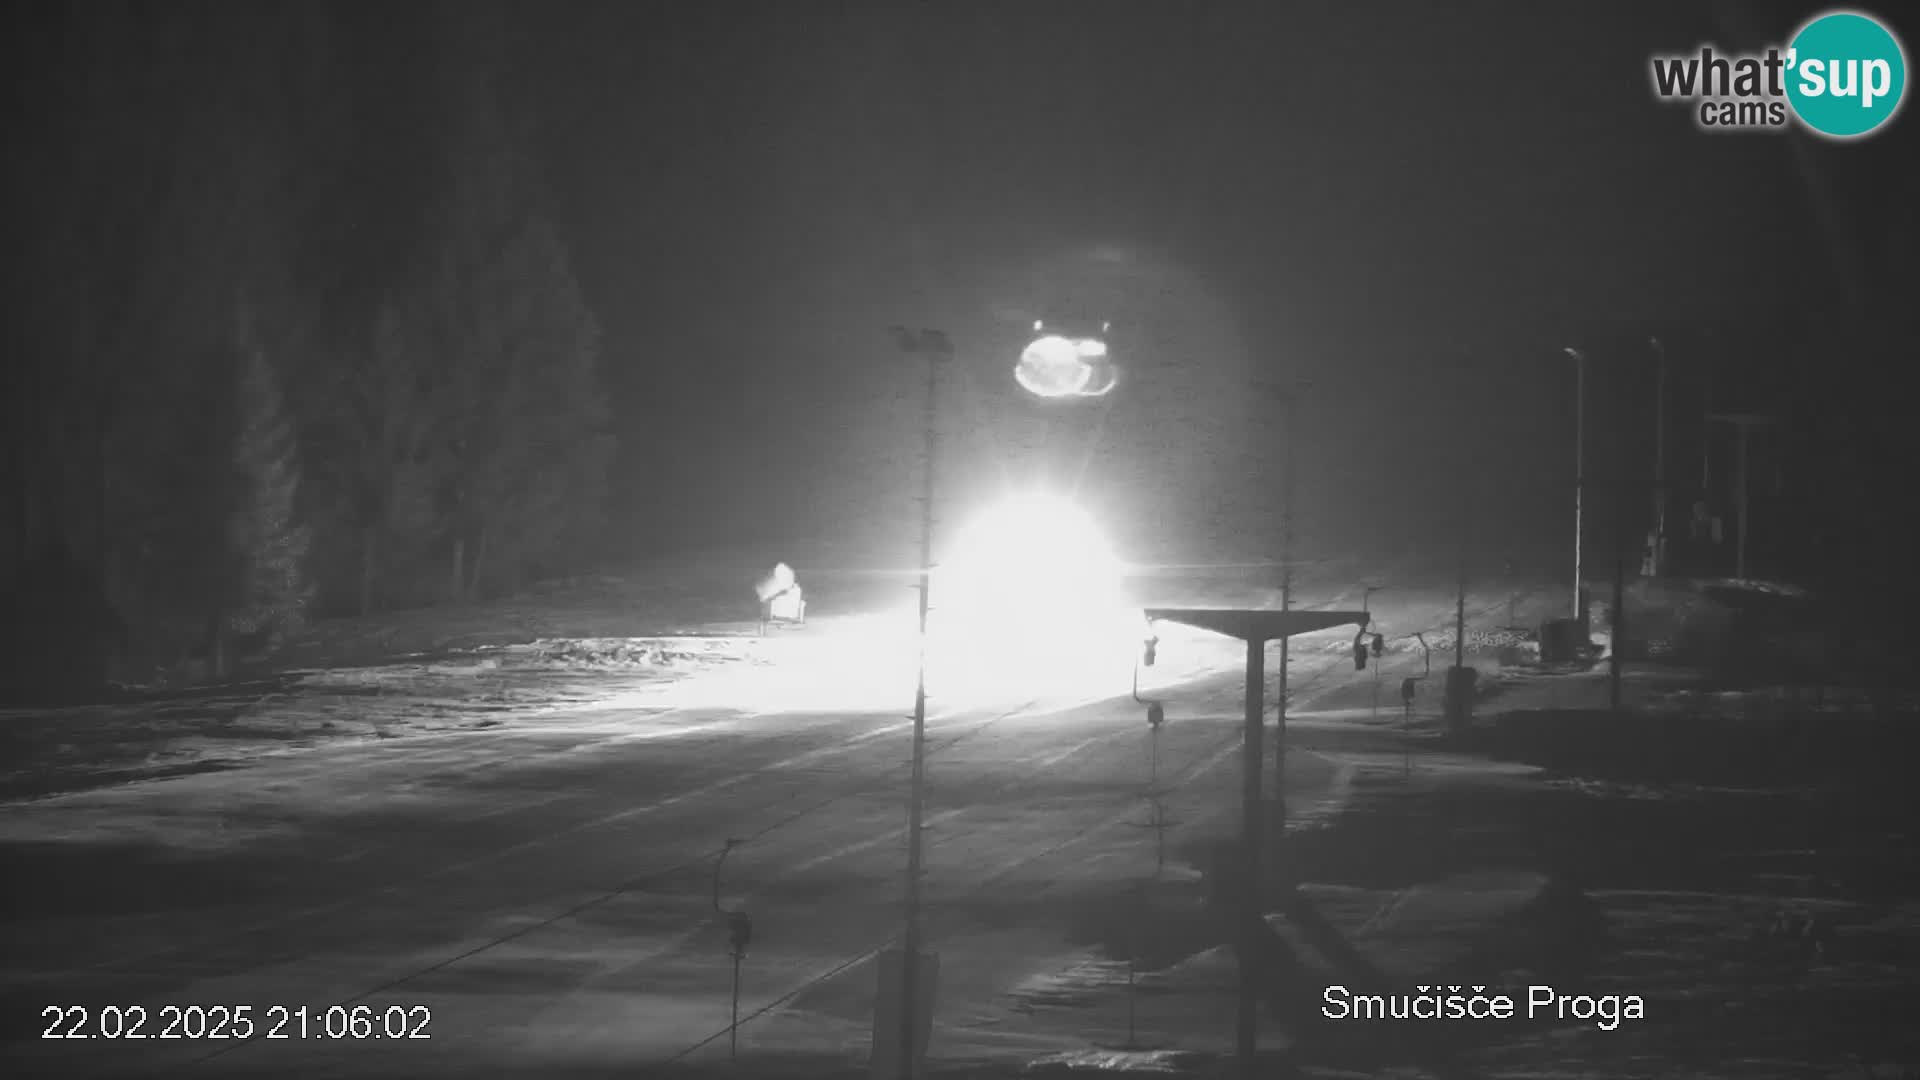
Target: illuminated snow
1045, 800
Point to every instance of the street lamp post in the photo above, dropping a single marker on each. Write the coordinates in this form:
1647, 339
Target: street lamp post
1579, 470
1659, 458
933, 345
1051, 366
1288, 413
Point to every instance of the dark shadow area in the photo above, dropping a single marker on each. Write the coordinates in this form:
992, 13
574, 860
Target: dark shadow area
116, 694
1193, 1066
1301, 952
108, 881
1830, 844
1763, 634
1155, 928
60, 637
1786, 748
103, 880
55, 781
82, 743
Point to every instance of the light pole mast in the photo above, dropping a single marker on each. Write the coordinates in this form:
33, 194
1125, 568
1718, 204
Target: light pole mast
1706, 430
934, 346
1745, 423
1288, 413
1579, 469
1660, 458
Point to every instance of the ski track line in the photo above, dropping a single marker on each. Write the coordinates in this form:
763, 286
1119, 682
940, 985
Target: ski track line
844, 744
1210, 762
944, 816
676, 941
1387, 908
794, 761
1053, 759
473, 740
939, 817
1187, 776
690, 933
317, 910
892, 834
869, 843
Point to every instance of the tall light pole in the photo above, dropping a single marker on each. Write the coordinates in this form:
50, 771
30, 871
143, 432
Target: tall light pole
1288, 412
1706, 428
933, 345
1745, 422
1052, 365
1659, 457
1579, 468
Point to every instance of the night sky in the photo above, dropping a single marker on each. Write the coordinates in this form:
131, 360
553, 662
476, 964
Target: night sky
1414, 207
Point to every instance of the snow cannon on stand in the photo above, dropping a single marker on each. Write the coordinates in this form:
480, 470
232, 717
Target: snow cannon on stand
781, 598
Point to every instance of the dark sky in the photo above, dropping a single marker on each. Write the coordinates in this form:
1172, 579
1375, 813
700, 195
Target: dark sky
1413, 205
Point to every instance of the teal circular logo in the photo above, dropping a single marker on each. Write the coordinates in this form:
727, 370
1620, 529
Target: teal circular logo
1846, 74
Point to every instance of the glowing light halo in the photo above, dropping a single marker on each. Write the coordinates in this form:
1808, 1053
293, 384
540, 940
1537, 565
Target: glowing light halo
1053, 366
1033, 547
1102, 377
1031, 598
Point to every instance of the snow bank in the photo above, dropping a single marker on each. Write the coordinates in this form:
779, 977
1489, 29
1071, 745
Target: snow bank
1121, 1061
55, 750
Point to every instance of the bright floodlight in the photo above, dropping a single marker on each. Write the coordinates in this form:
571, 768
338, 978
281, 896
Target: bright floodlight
1102, 377
1032, 548
1032, 588
1052, 366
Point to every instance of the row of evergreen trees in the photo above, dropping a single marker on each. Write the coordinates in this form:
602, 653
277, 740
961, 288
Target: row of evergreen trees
300, 334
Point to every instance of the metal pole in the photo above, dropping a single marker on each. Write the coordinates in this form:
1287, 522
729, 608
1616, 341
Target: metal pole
1660, 459
1706, 436
1133, 946
1153, 758
1579, 470
1742, 480
1153, 796
1286, 604
1250, 811
934, 347
1406, 748
1460, 621
1617, 631
1366, 605
1740, 545
733, 1025
1130, 999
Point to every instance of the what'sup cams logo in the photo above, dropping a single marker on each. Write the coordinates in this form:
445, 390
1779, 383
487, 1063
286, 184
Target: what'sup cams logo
1843, 75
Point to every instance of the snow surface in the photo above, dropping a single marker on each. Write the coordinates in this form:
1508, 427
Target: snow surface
521, 836
542, 682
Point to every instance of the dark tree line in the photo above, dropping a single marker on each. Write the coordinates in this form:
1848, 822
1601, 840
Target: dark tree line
293, 332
